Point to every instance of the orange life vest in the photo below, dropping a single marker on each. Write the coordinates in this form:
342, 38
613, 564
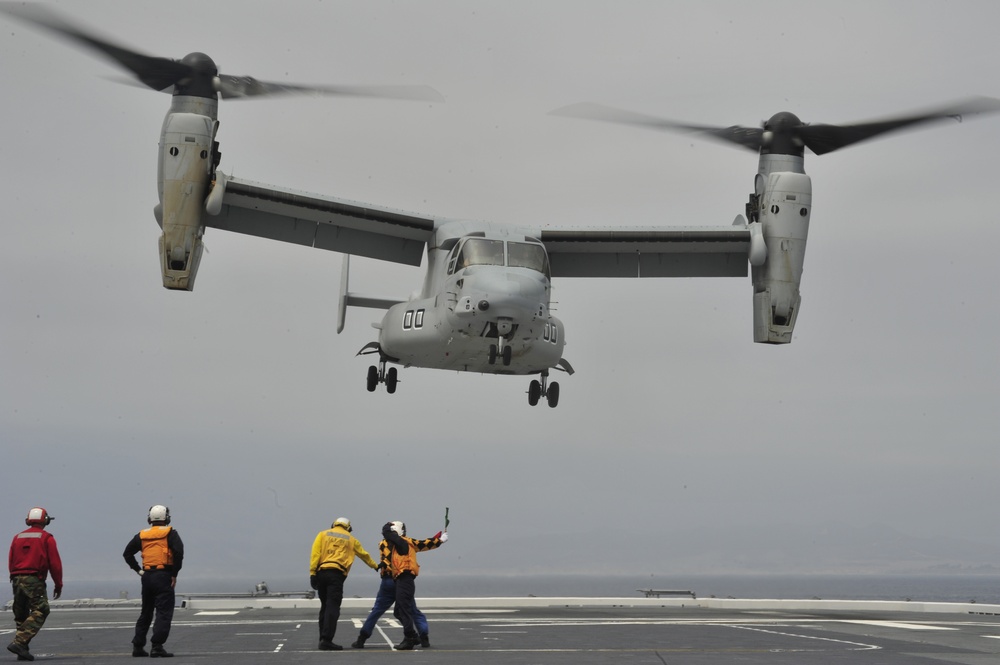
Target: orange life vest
405, 563
155, 551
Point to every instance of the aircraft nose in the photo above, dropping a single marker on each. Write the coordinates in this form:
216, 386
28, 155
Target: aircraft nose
505, 294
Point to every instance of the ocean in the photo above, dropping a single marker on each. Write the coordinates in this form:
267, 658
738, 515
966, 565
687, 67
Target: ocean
951, 587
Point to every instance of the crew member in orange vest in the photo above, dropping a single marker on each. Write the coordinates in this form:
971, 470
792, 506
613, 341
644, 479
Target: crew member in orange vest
403, 562
162, 557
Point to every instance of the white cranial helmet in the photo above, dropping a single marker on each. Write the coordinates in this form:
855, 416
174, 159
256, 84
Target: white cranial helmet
158, 513
38, 517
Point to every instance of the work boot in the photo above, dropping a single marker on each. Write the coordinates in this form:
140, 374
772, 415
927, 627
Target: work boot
425, 641
21, 650
360, 642
407, 644
328, 645
157, 651
139, 652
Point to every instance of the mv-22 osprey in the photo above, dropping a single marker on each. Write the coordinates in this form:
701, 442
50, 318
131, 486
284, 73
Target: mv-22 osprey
485, 301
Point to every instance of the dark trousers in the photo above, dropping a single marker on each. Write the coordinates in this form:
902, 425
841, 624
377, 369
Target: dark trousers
385, 599
406, 602
158, 598
330, 589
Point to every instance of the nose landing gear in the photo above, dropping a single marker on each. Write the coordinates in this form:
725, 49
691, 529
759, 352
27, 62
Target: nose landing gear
504, 329
538, 389
503, 351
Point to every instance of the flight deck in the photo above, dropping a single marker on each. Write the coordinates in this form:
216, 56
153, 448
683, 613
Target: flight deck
544, 631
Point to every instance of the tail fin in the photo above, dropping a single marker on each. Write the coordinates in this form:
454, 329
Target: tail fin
342, 301
347, 298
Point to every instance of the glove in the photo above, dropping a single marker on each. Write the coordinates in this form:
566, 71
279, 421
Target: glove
312, 582
139, 573
56, 592
437, 535
444, 537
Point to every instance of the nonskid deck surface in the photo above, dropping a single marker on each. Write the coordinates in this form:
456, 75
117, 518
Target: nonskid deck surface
539, 634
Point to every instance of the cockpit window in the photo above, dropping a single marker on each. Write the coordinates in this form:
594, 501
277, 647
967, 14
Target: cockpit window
480, 252
525, 255
483, 252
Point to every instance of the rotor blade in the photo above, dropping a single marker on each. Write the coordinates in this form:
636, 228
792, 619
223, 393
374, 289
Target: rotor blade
157, 73
747, 137
822, 139
241, 87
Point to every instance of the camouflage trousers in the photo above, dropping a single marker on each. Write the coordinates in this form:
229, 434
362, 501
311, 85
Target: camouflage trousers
31, 606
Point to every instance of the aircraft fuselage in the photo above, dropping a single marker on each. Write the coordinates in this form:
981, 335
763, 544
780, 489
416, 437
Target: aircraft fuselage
484, 306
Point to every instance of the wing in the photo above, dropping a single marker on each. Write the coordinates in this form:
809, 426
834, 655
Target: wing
322, 222
354, 228
682, 251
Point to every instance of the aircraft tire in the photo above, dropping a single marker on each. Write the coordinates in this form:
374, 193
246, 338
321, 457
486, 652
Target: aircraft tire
493, 354
508, 352
534, 392
391, 377
553, 395
372, 378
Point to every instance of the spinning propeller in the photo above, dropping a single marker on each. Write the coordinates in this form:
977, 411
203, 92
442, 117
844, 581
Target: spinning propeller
780, 206
784, 133
196, 74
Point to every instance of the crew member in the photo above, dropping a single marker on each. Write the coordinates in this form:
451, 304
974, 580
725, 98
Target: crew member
33, 555
333, 553
162, 558
386, 595
403, 557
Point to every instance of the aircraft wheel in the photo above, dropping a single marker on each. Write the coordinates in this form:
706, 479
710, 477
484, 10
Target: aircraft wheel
553, 395
372, 378
493, 354
391, 377
534, 392
507, 354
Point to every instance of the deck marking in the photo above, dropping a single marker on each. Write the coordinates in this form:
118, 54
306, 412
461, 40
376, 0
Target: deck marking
898, 624
858, 646
216, 613
385, 637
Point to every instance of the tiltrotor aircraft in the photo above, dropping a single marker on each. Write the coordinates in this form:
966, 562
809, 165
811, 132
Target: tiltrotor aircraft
485, 301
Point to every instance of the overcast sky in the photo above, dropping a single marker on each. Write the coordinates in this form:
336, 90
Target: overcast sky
240, 407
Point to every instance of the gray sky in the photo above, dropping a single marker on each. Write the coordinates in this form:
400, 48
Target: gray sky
239, 406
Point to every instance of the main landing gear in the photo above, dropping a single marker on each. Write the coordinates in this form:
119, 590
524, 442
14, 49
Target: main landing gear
538, 389
379, 374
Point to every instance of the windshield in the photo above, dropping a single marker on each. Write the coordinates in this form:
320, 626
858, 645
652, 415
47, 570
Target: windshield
525, 255
481, 252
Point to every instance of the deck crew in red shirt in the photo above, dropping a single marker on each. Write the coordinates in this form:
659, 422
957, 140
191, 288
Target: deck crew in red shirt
33, 557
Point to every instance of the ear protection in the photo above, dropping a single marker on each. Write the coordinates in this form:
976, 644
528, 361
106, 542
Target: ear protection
38, 516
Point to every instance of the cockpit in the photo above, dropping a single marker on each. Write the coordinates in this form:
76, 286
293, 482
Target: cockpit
488, 252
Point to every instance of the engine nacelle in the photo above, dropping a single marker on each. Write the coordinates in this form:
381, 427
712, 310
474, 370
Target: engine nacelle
785, 207
187, 162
